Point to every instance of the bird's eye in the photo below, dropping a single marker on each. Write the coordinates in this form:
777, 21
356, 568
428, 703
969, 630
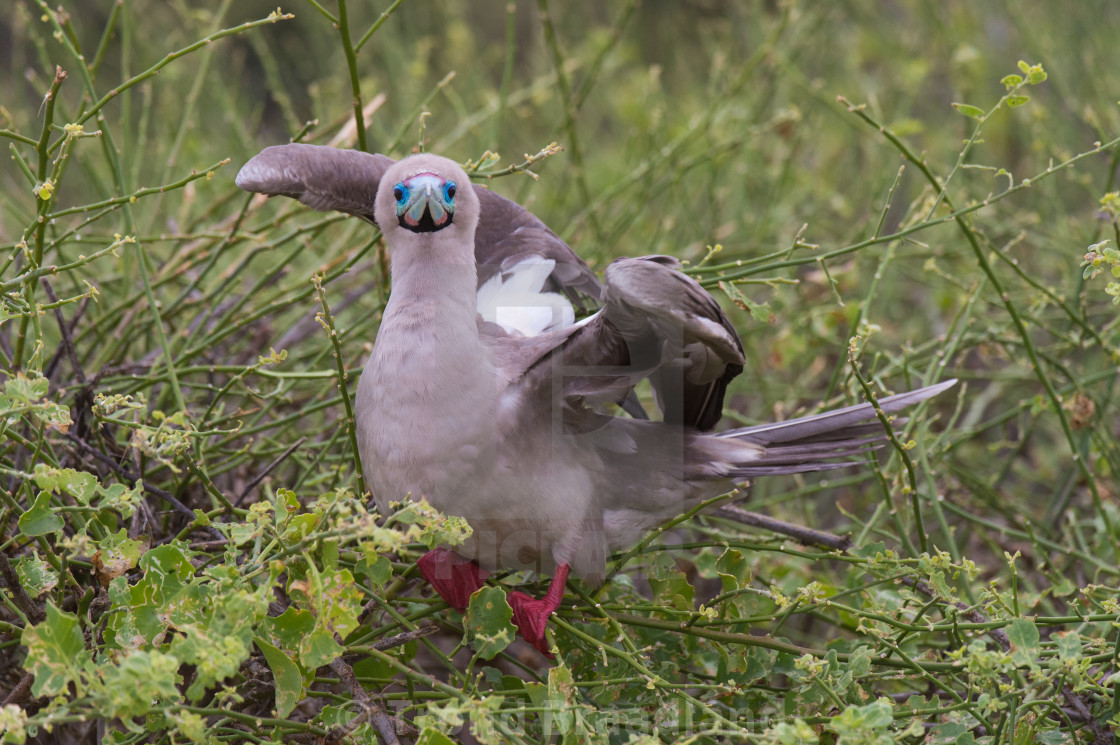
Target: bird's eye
451, 190
398, 193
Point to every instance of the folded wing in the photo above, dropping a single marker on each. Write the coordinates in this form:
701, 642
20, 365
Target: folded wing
656, 323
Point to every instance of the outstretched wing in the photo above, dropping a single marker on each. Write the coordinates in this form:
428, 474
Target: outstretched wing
329, 179
324, 178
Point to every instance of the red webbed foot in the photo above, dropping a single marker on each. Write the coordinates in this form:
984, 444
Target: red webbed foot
452, 576
531, 615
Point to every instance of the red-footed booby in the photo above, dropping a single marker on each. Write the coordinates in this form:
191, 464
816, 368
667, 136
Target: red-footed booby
484, 396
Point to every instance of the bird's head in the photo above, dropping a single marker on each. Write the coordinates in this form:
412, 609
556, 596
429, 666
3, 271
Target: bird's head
426, 194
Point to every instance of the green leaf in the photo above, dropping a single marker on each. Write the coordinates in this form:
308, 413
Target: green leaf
1035, 74
561, 691
217, 634
40, 519
136, 683
860, 722
286, 504
335, 602
56, 653
300, 526
432, 736
669, 584
796, 732
488, 622
79, 484
24, 392
1069, 646
13, 724
328, 550
937, 581
343, 718
377, 570
759, 311
734, 570
318, 648
1014, 101
447, 717
289, 628
121, 498
191, 726
1063, 586
1012, 80
116, 554
376, 667
971, 111
163, 596
1023, 635
35, 575
286, 674
485, 721
859, 661
870, 550
947, 732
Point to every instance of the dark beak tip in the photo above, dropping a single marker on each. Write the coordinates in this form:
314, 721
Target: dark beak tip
427, 224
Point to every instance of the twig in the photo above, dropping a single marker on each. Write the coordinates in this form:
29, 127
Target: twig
387, 725
343, 26
997, 635
800, 533
267, 470
120, 470
326, 320
1101, 736
64, 330
19, 693
811, 537
406, 636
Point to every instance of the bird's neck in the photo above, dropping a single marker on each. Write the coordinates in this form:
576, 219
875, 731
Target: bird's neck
432, 309
428, 355
434, 283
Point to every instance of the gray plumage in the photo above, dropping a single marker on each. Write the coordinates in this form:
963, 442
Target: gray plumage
513, 432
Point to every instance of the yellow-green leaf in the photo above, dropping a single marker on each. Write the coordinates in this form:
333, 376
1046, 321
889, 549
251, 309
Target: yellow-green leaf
488, 622
973, 111
40, 519
56, 653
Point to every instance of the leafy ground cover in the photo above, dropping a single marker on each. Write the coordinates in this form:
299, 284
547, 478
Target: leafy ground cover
882, 195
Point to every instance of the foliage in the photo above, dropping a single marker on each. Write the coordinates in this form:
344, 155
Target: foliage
187, 555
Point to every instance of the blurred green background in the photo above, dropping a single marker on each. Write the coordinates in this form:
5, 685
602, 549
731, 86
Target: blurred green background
684, 125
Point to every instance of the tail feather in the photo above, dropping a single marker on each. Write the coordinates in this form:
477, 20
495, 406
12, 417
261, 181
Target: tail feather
813, 443
751, 472
797, 452
834, 423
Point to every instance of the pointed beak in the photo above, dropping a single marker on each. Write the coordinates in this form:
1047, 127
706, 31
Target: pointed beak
425, 203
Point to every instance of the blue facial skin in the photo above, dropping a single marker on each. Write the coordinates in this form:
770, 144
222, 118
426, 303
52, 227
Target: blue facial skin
425, 203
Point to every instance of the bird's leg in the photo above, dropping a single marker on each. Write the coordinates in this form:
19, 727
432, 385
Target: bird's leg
452, 576
531, 615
